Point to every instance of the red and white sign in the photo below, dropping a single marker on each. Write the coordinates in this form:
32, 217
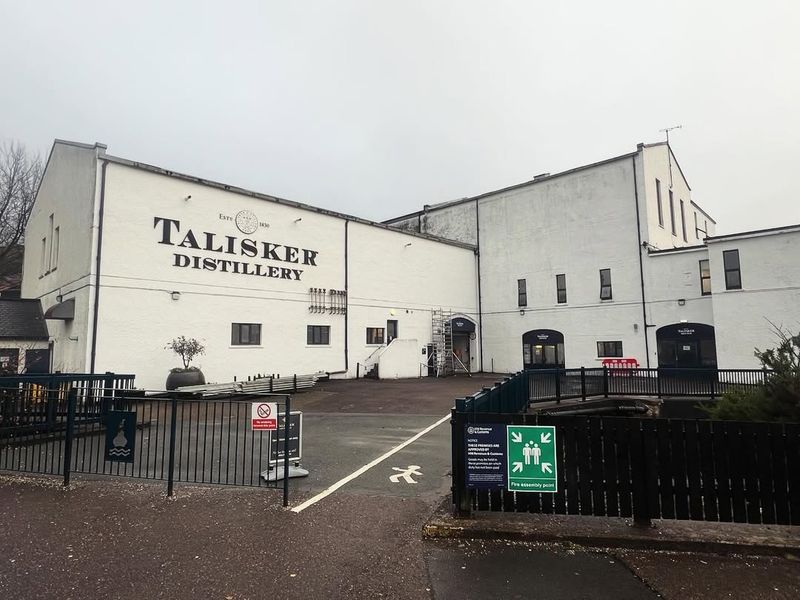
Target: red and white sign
264, 416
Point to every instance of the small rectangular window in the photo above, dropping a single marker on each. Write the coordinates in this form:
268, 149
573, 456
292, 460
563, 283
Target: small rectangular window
683, 223
672, 213
375, 335
561, 288
605, 284
696, 229
660, 207
705, 278
733, 274
43, 262
50, 256
245, 334
522, 293
609, 349
55, 249
318, 335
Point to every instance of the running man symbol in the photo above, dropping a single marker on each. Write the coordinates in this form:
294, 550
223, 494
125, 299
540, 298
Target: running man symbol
405, 474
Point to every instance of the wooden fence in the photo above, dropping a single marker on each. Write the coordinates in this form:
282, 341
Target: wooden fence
652, 469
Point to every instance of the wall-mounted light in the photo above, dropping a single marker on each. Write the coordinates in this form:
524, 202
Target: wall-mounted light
297, 220
189, 197
175, 295
681, 302
636, 327
59, 298
407, 245
522, 311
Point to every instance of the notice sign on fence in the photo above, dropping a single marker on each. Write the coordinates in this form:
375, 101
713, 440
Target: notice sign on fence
485, 455
532, 458
120, 436
264, 416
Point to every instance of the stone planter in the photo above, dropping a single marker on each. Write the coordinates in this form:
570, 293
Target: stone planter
182, 378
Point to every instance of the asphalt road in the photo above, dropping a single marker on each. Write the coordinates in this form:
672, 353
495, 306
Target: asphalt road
121, 538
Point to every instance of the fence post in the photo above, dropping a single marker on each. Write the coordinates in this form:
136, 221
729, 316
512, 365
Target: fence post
714, 375
605, 381
639, 467
583, 384
173, 426
294, 384
286, 452
72, 400
462, 505
658, 382
558, 385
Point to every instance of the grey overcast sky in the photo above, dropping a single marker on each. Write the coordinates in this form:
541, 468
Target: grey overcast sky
375, 108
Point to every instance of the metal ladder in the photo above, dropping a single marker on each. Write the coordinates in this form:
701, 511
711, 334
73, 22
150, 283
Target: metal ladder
442, 339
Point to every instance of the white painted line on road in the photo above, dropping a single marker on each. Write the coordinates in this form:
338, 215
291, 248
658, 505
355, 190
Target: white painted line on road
367, 467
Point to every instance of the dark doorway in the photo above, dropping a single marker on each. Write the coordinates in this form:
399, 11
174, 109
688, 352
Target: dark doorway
431, 360
391, 331
543, 349
463, 333
686, 346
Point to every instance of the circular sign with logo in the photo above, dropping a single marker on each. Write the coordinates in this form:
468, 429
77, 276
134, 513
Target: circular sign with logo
246, 221
264, 411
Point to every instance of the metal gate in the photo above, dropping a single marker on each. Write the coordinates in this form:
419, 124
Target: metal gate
172, 437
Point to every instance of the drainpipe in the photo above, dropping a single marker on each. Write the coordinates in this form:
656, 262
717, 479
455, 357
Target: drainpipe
480, 307
97, 264
641, 263
346, 295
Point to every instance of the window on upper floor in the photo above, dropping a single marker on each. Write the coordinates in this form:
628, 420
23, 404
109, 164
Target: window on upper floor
318, 335
660, 206
561, 288
696, 230
683, 222
375, 335
605, 284
43, 261
705, 278
733, 274
609, 349
54, 250
245, 334
522, 293
672, 213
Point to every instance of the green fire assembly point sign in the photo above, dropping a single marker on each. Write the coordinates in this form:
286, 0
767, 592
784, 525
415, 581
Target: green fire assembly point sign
531, 458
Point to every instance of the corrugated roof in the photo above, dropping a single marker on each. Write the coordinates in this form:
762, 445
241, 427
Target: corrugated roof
22, 319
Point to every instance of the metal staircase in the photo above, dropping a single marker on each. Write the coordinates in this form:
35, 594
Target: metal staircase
442, 341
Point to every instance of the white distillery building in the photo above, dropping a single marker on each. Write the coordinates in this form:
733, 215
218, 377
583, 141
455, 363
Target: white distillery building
608, 260
126, 256
615, 260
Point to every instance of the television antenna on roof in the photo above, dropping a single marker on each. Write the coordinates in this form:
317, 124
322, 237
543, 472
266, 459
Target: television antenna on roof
668, 129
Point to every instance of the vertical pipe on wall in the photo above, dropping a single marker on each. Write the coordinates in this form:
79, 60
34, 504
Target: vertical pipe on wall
97, 264
641, 262
480, 309
346, 296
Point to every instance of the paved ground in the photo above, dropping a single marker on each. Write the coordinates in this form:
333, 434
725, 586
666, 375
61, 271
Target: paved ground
123, 539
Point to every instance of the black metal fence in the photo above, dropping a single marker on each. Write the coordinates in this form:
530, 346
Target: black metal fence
651, 468
176, 437
514, 393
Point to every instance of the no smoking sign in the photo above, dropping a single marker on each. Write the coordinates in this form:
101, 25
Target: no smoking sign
264, 416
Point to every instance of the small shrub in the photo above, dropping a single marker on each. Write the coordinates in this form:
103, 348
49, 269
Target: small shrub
187, 349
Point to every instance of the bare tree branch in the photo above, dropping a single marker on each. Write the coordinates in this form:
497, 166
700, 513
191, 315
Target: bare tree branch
20, 175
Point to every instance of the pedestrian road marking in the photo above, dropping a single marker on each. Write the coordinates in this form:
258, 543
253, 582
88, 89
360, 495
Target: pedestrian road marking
327, 492
405, 474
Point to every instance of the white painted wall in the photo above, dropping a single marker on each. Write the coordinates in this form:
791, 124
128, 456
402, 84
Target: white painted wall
67, 192
670, 278
770, 271
660, 164
401, 359
392, 275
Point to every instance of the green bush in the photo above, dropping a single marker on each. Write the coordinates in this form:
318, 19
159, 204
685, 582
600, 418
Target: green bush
778, 399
